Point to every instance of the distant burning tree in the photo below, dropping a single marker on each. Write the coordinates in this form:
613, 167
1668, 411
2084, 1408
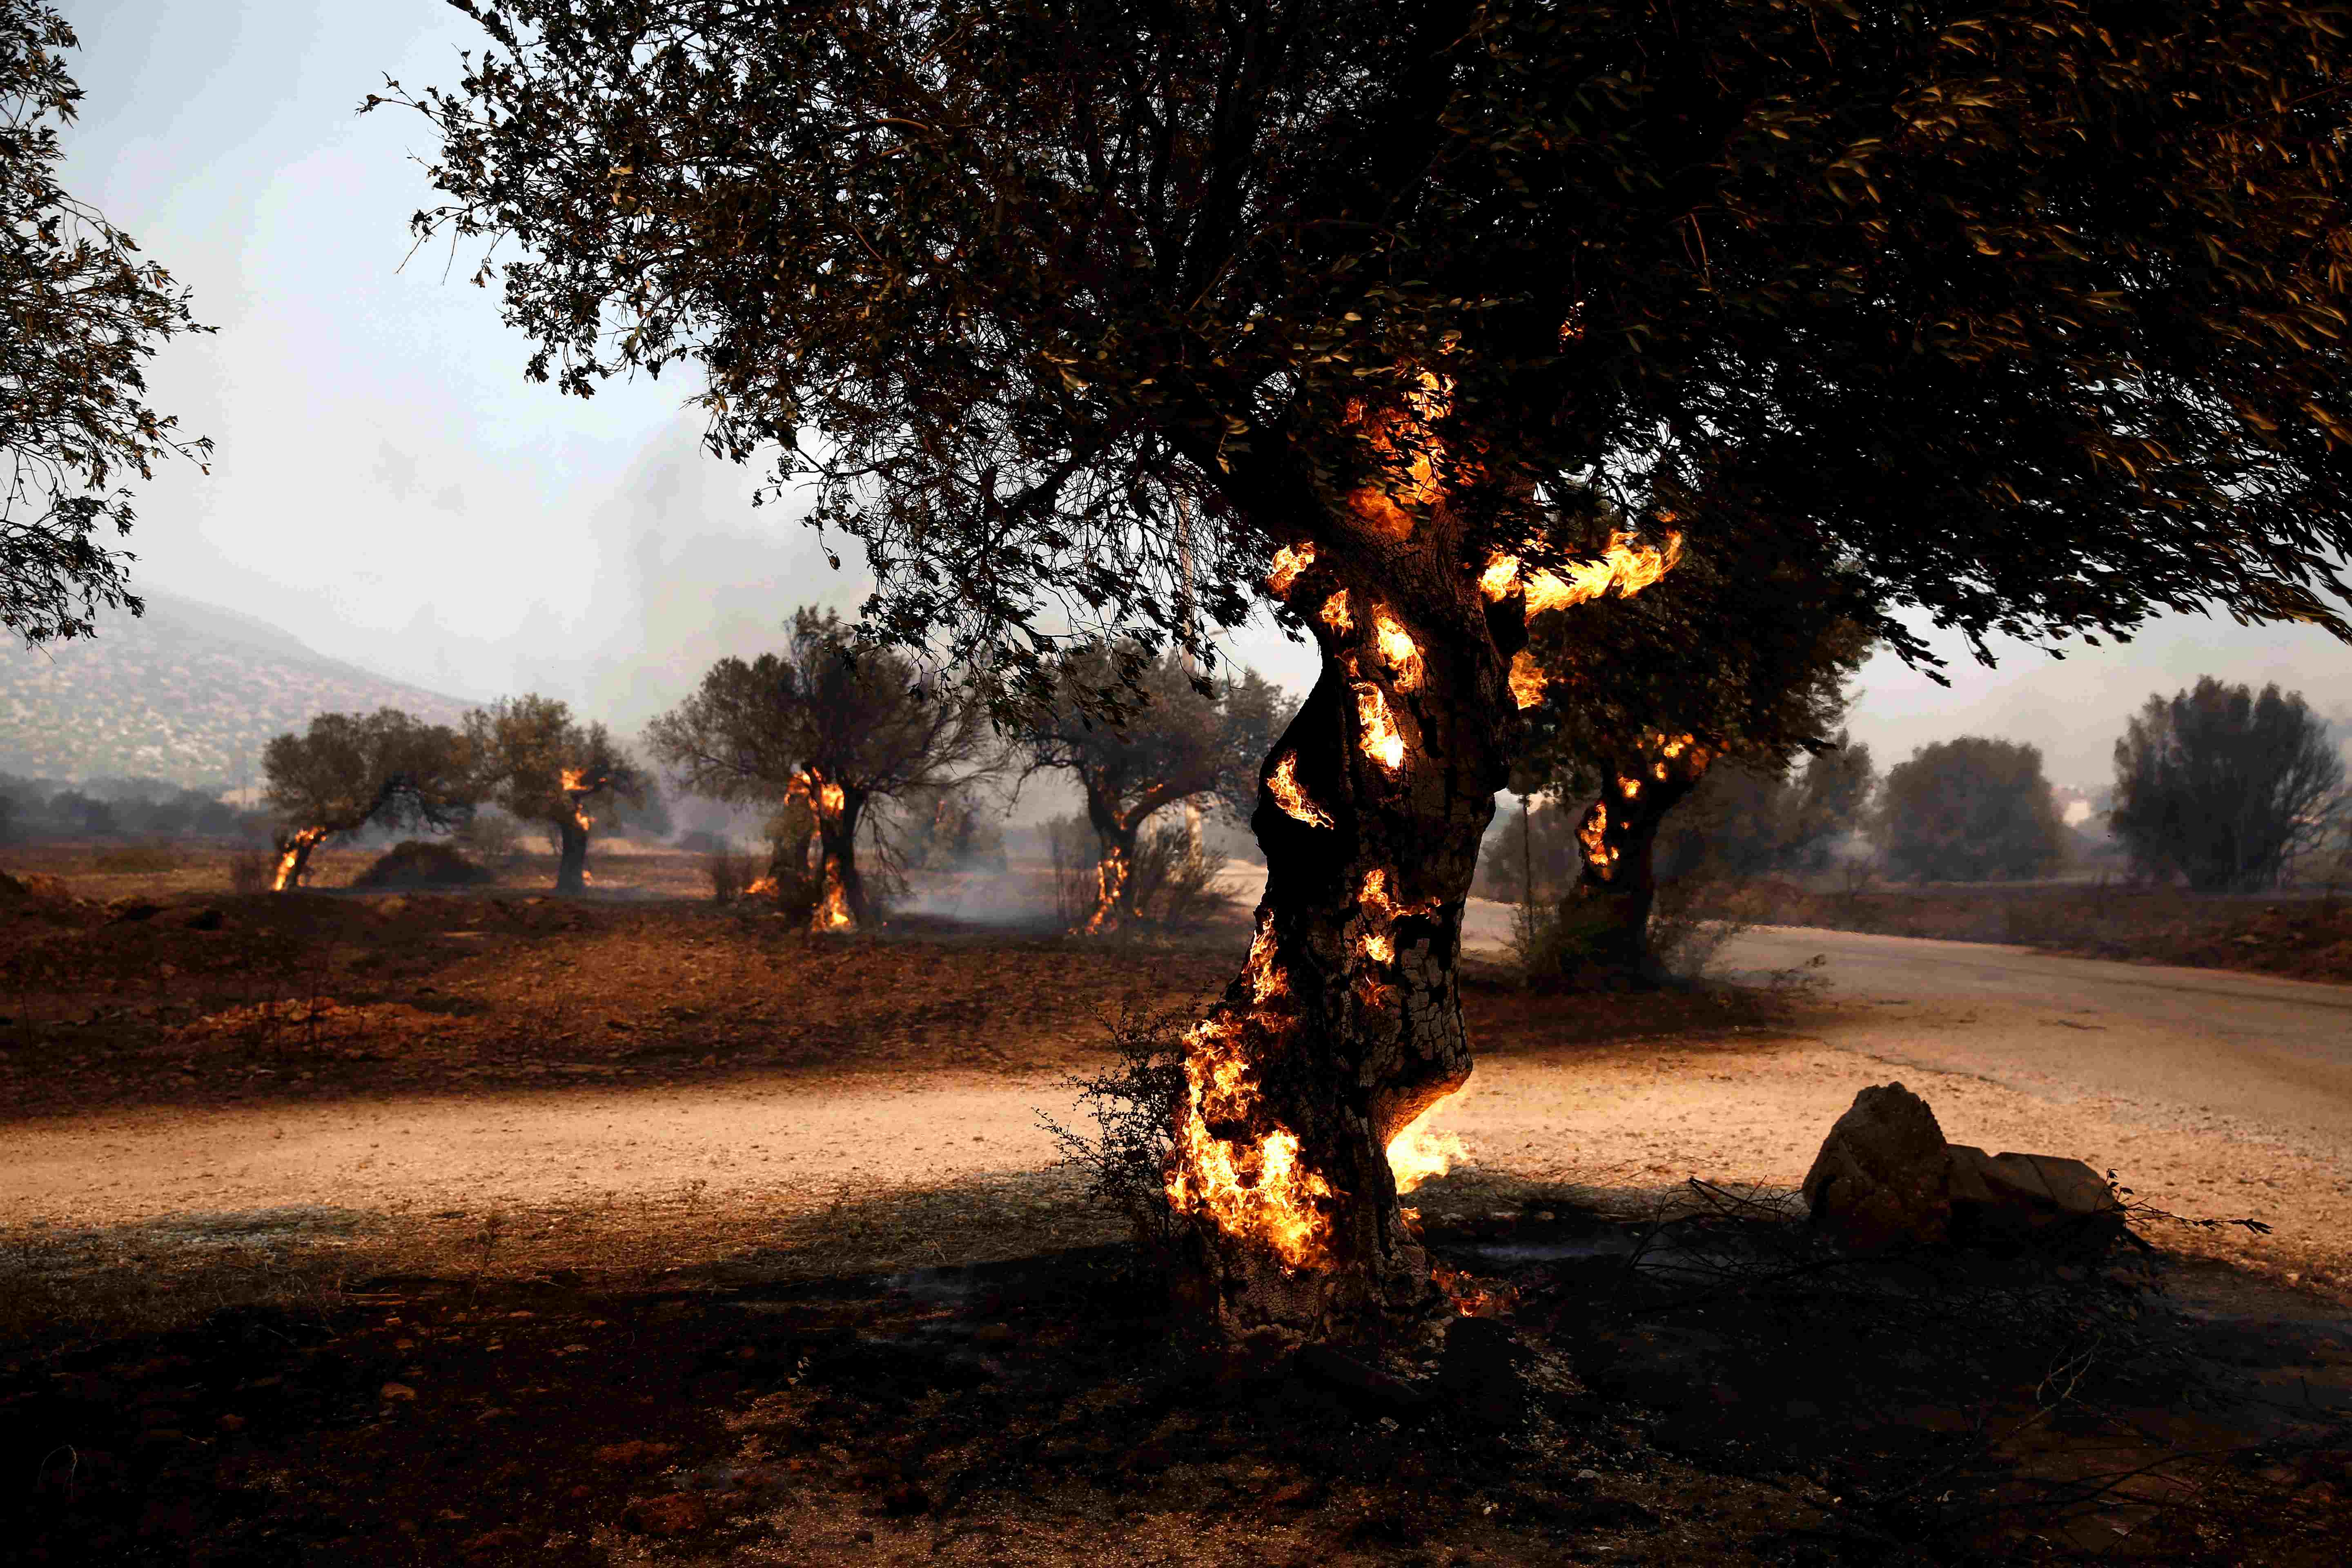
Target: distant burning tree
1137, 736
543, 766
348, 771
814, 728
1741, 655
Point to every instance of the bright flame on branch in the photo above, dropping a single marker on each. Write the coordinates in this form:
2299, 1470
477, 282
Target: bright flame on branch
1416, 1155
1291, 796
290, 855
1623, 567
1383, 742
1336, 615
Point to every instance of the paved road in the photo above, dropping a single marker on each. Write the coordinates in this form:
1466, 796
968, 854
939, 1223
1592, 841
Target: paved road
2243, 1053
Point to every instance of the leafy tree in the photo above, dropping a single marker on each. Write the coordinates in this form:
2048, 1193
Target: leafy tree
816, 726
1971, 810
82, 315
538, 764
349, 770
2030, 317
1741, 656
1753, 821
1168, 743
2223, 787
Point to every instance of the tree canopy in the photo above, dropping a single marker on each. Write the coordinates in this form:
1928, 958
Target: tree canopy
350, 771
2224, 787
540, 764
1971, 810
82, 314
2035, 315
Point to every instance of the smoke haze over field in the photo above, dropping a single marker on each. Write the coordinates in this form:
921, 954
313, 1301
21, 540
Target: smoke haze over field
390, 490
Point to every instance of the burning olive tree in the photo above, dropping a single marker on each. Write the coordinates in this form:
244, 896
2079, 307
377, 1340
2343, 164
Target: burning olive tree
83, 314
543, 766
1740, 656
831, 728
347, 771
1085, 318
1164, 741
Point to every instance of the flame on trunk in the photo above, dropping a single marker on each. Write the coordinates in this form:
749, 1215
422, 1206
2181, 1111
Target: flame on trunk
832, 911
577, 785
1382, 740
1599, 853
1251, 1184
1397, 647
290, 857
1289, 563
1527, 680
1416, 1153
1623, 567
1110, 886
1336, 615
1291, 796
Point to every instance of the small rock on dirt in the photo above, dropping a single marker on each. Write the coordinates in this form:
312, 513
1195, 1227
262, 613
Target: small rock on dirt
2028, 1193
396, 1391
679, 1513
1879, 1181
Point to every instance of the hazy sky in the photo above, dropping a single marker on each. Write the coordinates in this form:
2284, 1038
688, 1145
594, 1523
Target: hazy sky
390, 490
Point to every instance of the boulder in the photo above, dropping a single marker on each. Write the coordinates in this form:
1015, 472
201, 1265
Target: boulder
2026, 1195
1881, 1179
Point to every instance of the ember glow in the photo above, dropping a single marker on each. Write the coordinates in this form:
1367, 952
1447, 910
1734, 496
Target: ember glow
1291, 796
1383, 742
1397, 647
1416, 1153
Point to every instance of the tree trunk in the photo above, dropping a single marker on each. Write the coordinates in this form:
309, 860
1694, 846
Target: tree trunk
1607, 914
1346, 1023
294, 857
1116, 833
842, 902
571, 861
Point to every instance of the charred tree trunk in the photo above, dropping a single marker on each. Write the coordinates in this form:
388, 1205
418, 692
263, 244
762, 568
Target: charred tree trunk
294, 857
572, 858
1346, 1023
1608, 912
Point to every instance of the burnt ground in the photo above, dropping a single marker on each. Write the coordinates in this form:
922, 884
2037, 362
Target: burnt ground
1711, 1388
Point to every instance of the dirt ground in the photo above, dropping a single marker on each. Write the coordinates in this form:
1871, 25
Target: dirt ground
501, 1229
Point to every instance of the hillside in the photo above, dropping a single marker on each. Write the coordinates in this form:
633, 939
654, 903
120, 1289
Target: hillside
188, 692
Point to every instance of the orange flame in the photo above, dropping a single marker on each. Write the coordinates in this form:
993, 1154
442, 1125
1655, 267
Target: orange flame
1289, 563
1529, 680
1289, 794
1335, 613
833, 912
1599, 853
1397, 647
761, 888
1110, 882
1416, 1153
295, 842
1383, 742
1622, 568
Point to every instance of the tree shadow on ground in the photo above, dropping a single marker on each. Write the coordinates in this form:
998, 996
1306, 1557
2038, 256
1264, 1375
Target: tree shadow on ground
1703, 1382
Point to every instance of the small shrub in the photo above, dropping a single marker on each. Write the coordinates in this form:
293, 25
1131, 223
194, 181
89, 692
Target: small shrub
420, 863
251, 869
141, 859
1134, 1105
1070, 842
732, 872
1174, 888
702, 841
493, 836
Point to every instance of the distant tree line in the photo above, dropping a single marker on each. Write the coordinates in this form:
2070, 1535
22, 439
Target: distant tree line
33, 809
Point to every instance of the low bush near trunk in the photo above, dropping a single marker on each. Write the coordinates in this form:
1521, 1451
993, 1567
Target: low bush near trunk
419, 863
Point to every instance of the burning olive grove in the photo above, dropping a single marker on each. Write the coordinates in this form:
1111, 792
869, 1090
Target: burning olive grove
1436, 319
536, 760
1166, 742
827, 729
350, 771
